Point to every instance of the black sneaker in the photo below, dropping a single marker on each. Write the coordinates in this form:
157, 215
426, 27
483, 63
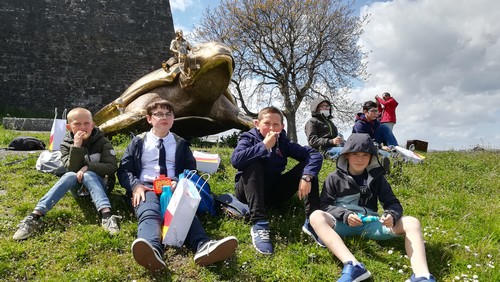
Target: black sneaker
386, 163
214, 251
147, 256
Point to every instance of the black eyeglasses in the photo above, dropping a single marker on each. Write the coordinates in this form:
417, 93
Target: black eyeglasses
373, 111
163, 115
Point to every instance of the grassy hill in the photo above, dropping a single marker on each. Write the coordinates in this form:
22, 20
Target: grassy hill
454, 194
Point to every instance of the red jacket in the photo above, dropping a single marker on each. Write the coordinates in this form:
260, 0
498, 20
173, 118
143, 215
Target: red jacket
389, 111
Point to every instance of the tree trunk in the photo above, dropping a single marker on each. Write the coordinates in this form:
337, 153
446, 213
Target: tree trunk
291, 129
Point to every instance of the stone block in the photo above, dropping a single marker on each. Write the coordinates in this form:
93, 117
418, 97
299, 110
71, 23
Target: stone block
27, 124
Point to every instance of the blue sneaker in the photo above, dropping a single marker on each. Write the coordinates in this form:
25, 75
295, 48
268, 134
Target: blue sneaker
421, 279
354, 273
307, 228
261, 239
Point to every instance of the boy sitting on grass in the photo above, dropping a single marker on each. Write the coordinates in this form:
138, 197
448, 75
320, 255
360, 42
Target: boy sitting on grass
150, 154
349, 197
89, 157
261, 157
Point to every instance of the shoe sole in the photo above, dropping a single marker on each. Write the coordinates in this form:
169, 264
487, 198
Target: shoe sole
312, 236
365, 276
218, 252
255, 246
144, 255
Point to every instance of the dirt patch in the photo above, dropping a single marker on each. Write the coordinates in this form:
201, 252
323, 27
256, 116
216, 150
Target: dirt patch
5, 153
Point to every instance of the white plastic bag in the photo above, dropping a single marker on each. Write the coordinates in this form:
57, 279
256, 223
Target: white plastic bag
409, 155
50, 162
180, 213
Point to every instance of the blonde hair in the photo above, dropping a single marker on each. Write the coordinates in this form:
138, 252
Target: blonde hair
77, 111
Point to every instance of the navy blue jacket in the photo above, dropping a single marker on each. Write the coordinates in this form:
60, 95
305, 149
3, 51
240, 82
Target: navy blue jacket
131, 166
362, 125
251, 149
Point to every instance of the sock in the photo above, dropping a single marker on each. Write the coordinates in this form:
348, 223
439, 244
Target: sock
35, 215
423, 275
106, 215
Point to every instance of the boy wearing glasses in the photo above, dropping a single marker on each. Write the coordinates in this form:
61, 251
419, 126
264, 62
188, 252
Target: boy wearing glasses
321, 133
349, 207
150, 154
367, 122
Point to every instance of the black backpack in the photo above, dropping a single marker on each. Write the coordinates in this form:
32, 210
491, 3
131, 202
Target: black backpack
25, 143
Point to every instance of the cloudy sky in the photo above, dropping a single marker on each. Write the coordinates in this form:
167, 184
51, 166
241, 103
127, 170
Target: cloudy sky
439, 59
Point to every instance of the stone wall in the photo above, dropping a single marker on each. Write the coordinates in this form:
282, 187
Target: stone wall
67, 53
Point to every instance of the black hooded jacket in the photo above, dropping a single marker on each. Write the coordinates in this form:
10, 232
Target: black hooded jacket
341, 195
320, 129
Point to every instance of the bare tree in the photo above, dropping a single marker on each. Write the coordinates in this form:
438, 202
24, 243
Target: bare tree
289, 51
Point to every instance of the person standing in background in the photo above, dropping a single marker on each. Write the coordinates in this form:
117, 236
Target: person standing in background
387, 106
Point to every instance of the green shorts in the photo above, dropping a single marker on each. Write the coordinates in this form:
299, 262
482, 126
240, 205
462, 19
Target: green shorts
371, 230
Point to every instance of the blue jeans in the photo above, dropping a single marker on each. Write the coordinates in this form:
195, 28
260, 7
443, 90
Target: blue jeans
150, 220
384, 134
91, 180
334, 152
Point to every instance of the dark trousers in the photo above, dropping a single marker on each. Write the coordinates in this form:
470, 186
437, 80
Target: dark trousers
259, 191
150, 220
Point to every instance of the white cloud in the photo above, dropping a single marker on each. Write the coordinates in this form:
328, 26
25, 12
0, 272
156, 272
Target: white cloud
182, 5
441, 61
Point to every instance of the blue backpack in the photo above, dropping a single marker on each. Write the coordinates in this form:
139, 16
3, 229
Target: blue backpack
207, 203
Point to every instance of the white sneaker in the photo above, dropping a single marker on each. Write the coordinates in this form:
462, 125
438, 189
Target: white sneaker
147, 256
214, 251
111, 224
27, 227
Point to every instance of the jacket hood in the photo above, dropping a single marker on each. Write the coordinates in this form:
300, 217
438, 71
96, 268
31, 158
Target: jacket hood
316, 102
360, 116
359, 142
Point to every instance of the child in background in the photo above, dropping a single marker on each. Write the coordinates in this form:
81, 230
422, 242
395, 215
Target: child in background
350, 194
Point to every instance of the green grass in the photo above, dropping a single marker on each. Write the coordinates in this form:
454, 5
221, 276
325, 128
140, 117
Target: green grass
454, 194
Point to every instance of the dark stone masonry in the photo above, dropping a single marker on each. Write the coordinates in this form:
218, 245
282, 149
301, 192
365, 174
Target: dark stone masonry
68, 53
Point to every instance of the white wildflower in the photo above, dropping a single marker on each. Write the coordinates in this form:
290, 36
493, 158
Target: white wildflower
469, 266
